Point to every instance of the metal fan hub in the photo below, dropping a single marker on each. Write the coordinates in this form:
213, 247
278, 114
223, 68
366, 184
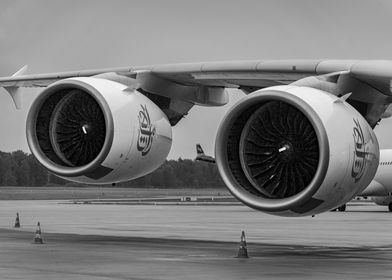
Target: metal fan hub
86, 129
286, 151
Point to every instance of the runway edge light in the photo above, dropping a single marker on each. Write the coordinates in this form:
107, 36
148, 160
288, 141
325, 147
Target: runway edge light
17, 221
38, 237
243, 250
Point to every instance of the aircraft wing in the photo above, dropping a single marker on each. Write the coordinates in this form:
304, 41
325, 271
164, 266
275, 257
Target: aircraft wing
203, 83
235, 74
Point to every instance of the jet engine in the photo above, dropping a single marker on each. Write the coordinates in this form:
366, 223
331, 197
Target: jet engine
94, 130
295, 151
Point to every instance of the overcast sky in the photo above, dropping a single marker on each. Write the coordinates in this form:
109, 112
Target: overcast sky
56, 35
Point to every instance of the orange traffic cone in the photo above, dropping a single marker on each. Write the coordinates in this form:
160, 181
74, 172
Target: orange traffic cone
38, 237
17, 221
243, 250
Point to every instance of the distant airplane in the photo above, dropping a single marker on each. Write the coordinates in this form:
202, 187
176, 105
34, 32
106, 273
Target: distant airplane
300, 143
380, 189
200, 156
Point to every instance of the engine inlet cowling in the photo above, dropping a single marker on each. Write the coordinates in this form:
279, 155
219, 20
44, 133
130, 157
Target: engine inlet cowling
290, 151
70, 128
96, 131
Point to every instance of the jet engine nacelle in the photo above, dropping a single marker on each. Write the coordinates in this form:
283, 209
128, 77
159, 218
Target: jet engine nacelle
93, 130
295, 151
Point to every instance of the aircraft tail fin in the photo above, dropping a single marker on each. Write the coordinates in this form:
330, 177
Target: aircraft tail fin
199, 150
201, 156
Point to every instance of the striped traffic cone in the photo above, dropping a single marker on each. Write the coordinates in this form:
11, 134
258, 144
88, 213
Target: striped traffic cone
17, 221
38, 237
243, 250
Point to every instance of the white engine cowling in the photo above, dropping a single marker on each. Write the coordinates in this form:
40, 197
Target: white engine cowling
295, 151
97, 131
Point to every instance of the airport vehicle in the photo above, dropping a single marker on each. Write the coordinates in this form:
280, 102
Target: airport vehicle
300, 143
200, 156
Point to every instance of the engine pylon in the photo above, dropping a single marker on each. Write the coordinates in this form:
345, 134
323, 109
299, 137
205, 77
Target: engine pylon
17, 221
38, 237
243, 250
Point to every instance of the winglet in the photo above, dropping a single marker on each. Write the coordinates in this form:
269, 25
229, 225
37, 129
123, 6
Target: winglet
21, 71
14, 90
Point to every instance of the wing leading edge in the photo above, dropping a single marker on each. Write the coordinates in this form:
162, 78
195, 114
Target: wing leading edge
204, 83
218, 74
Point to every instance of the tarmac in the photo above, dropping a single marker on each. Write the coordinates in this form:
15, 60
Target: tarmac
87, 241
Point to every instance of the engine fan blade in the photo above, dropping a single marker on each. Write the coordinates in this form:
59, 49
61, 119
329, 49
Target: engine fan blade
279, 150
77, 128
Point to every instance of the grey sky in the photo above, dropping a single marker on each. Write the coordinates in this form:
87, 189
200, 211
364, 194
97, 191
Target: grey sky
56, 35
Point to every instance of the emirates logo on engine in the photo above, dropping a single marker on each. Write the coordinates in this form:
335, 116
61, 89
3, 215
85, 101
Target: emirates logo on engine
359, 162
146, 131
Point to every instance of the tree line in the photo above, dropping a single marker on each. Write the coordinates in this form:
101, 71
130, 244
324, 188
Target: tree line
21, 169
